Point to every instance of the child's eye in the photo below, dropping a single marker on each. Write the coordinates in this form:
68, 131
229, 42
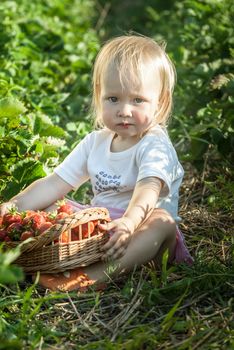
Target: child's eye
112, 99
138, 100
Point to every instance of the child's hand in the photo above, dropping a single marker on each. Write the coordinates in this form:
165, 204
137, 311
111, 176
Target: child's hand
120, 231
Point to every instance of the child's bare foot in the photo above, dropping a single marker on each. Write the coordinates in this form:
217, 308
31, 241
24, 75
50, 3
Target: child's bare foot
67, 281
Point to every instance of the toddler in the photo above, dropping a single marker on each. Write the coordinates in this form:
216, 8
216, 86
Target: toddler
130, 161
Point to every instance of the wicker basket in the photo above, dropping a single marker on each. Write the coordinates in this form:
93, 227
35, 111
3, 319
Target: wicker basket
46, 253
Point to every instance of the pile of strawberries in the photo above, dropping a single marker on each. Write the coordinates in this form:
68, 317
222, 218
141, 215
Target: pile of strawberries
15, 226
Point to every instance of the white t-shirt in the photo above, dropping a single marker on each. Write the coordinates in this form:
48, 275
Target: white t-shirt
113, 175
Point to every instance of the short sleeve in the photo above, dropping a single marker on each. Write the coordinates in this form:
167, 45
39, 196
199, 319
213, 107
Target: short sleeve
157, 158
73, 169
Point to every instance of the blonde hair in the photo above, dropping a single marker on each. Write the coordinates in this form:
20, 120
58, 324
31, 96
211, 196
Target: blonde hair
133, 54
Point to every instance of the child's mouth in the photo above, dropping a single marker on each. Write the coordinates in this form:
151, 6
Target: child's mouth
124, 125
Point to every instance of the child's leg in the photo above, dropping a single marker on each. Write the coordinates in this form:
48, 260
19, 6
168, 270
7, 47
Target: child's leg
156, 235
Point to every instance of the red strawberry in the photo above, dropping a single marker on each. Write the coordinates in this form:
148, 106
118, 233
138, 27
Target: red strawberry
61, 215
27, 213
25, 235
75, 233
86, 229
10, 218
65, 207
15, 226
14, 230
34, 220
45, 226
44, 214
96, 228
50, 217
7, 239
65, 237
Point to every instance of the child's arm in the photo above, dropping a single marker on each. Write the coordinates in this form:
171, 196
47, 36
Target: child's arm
143, 201
141, 206
39, 195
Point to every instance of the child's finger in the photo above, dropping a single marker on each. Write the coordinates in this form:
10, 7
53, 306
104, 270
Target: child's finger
114, 245
115, 252
110, 243
119, 253
106, 227
109, 255
103, 227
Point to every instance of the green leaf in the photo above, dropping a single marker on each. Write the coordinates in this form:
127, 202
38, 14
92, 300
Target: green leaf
52, 130
167, 321
23, 173
2, 131
9, 273
198, 147
11, 108
9, 257
44, 127
27, 171
10, 344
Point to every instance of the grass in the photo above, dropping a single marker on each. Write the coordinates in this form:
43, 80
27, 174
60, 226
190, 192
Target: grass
182, 308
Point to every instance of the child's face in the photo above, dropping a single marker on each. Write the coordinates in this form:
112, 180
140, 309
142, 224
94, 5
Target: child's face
129, 110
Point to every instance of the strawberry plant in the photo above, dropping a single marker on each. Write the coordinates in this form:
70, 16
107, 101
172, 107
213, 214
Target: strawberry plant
44, 86
27, 152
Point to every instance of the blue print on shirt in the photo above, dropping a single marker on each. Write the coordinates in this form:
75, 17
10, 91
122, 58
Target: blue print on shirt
106, 182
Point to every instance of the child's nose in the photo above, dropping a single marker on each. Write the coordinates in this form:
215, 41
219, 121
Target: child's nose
125, 110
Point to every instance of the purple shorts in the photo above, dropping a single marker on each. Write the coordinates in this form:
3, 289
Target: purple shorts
181, 251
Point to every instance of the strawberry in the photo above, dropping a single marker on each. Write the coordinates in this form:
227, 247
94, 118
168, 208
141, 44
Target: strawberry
25, 235
61, 215
14, 230
86, 229
95, 222
27, 213
44, 226
7, 239
34, 220
44, 214
75, 233
64, 238
64, 207
10, 218
50, 217
15, 226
